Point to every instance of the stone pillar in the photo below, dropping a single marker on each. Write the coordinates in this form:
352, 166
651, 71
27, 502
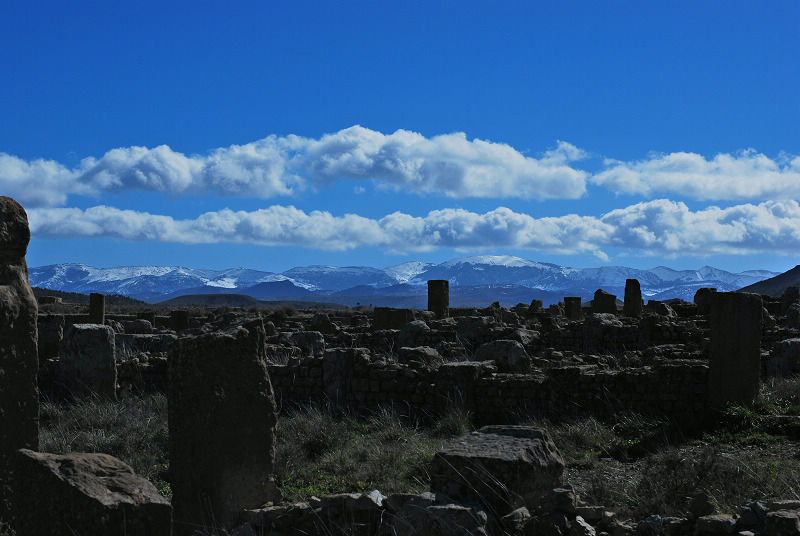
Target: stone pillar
439, 297
97, 308
222, 418
702, 298
604, 302
632, 305
734, 368
87, 363
179, 320
572, 307
19, 361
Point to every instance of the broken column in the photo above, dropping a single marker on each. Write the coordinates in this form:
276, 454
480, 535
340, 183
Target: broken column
702, 298
19, 361
632, 304
222, 418
572, 307
97, 308
439, 297
734, 368
87, 361
604, 302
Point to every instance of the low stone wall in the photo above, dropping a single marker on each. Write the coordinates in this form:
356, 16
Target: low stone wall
348, 377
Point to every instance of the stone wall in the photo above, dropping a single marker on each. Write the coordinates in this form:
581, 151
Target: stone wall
350, 378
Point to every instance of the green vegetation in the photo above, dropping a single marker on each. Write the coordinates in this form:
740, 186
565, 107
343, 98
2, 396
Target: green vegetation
635, 465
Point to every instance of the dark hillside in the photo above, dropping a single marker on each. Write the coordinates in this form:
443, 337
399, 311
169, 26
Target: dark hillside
774, 286
83, 299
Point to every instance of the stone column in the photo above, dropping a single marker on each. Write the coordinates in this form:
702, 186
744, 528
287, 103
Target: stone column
87, 363
222, 417
632, 304
19, 360
572, 307
734, 368
604, 302
97, 308
439, 297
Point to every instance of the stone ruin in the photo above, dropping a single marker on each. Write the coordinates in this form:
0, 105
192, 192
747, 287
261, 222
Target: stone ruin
19, 362
225, 376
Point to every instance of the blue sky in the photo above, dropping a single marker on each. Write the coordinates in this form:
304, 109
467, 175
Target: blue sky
277, 134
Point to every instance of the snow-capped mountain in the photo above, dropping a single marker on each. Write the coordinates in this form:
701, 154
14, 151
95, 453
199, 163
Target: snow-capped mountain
469, 277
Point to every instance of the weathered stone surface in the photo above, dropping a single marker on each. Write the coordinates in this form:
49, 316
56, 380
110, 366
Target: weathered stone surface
97, 308
632, 303
439, 297
509, 355
419, 356
715, 524
604, 302
501, 467
87, 364
785, 359
179, 320
572, 307
431, 515
413, 334
222, 417
321, 322
735, 348
782, 523
85, 494
390, 318
702, 298
51, 333
789, 297
309, 342
19, 361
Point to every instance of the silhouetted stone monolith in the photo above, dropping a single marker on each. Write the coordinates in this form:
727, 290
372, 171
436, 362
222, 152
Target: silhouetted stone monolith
439, 297
604, 302
19, 360
702, 298
632, 304
222, 417
735, 349
97, 308
572, 307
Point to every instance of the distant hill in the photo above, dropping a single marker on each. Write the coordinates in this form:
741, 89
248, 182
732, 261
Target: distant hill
240, 300
774, 286
477, 280
83, 299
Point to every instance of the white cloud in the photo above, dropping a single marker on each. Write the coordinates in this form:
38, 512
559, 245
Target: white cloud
745, 175
659, 227
449, 165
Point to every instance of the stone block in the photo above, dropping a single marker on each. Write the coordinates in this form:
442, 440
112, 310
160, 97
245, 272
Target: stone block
502, 467
222, 418
88, 360
734, 349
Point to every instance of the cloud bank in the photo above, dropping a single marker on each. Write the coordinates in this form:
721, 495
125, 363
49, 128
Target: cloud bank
659, 227
449, 165
745, 175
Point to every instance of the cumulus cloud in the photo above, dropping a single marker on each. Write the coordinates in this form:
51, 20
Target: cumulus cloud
745, 175
449, 165
659, 227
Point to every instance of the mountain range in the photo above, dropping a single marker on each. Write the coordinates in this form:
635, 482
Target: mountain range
474, 281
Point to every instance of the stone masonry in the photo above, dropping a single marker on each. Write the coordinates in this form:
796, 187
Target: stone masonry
222, 417
19, 362
735, 349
